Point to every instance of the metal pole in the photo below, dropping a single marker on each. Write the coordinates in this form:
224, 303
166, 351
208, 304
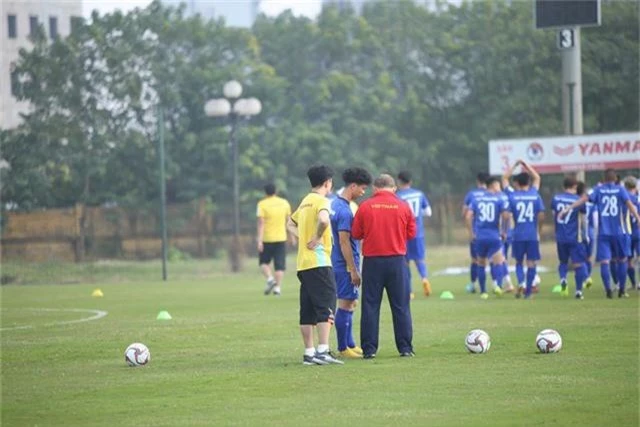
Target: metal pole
572, 90
163, 193
236, 245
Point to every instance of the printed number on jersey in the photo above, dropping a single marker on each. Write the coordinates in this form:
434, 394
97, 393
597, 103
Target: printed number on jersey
525, 212
610, 206
487, 212
565, 220
414, 203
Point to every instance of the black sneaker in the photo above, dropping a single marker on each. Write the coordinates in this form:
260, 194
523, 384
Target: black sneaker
609, 294
563, 285
407, 354
579, 295
328, 358
622, 294
369, 356
312, 360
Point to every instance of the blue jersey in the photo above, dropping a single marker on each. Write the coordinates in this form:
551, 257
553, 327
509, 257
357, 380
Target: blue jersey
471, 196
525, 205
590, 219
571, 227
419, 205
510, 224
341, 219
487, 210
635, 231
610, 199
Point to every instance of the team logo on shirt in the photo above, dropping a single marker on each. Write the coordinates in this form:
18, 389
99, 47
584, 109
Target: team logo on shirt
535, 151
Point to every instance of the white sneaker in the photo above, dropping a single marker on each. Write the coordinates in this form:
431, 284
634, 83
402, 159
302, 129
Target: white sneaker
270, 285
328, 358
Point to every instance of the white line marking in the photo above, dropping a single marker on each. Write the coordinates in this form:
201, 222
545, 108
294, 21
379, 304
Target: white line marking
97, 314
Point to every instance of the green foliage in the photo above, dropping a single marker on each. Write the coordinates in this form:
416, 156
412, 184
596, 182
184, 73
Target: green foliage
399, 87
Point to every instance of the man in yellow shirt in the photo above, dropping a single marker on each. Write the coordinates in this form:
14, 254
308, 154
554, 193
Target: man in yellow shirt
311, 223
273, 213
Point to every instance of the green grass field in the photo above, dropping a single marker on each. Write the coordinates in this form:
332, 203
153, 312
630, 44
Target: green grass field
231, 356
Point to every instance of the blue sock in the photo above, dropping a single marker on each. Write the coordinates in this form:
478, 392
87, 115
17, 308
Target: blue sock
350, 341
622, 274
422, 268
482, 279
341, 323
497, 271
474, 272
613, 271
632, 274
563, 268
605, 273
589, 268
531, 276
581, 276
520, 273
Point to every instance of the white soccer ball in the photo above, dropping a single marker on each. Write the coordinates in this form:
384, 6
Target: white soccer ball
137, 354
477, 341
549, 341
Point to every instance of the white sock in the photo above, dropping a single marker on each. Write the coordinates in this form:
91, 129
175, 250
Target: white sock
322, 348
309, 351
276, 289
270, 279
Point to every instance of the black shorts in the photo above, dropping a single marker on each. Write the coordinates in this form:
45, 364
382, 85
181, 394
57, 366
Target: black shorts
275, 251
317, 295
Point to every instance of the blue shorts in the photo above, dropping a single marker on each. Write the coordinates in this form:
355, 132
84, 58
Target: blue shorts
344, 287
488, 248
588, 246
574, 251
416, 249
527, 248
613, 247
635, 247
473, 249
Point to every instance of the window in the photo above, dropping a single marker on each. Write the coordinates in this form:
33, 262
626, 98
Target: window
53, 27
76, 23
33, 26
12, 25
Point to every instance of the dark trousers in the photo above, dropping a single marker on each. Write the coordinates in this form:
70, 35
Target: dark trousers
379, 273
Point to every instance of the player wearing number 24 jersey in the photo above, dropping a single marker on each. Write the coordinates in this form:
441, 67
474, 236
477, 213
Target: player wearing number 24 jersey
610, 200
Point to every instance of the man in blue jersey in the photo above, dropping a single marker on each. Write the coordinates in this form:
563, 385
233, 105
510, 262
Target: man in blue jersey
527, 209
570, 237
421, 208
486, 222
631, 185
345, 258
589, 221
481, 188
613, 240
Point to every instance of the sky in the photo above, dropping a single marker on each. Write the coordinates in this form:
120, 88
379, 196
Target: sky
271, 7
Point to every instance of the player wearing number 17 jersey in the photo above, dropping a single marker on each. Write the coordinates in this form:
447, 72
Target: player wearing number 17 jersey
570, 237
527, 209
420, 208
613, 233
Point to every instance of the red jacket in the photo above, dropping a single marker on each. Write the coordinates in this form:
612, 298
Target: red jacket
385, 223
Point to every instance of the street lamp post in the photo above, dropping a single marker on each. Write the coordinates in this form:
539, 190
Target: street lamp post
241, 107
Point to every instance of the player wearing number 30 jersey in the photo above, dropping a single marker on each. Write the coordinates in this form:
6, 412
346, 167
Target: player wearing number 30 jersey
611, 199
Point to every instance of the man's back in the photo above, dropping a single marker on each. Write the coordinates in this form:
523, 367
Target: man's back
275, 211
341, 220
525, 205
306, 217
418, 203
486, 215
568, 228
609, 200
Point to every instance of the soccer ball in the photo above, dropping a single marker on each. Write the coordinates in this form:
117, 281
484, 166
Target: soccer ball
477, 341
137, 354
549, 341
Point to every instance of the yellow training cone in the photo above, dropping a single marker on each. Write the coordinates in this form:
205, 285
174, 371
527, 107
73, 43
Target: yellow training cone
97, 293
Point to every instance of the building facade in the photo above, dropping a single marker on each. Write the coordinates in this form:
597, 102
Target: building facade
236, 13
20, 19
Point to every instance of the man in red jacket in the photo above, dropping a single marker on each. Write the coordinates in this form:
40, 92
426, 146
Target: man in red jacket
384, 223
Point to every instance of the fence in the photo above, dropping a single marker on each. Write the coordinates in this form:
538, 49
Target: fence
82, 232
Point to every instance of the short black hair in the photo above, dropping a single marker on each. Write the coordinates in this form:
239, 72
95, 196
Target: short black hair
270, 189
581, 188
610, 175
569, 182
405, 177
319, 174
491, 179
356, 175
482, 177
522, 179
